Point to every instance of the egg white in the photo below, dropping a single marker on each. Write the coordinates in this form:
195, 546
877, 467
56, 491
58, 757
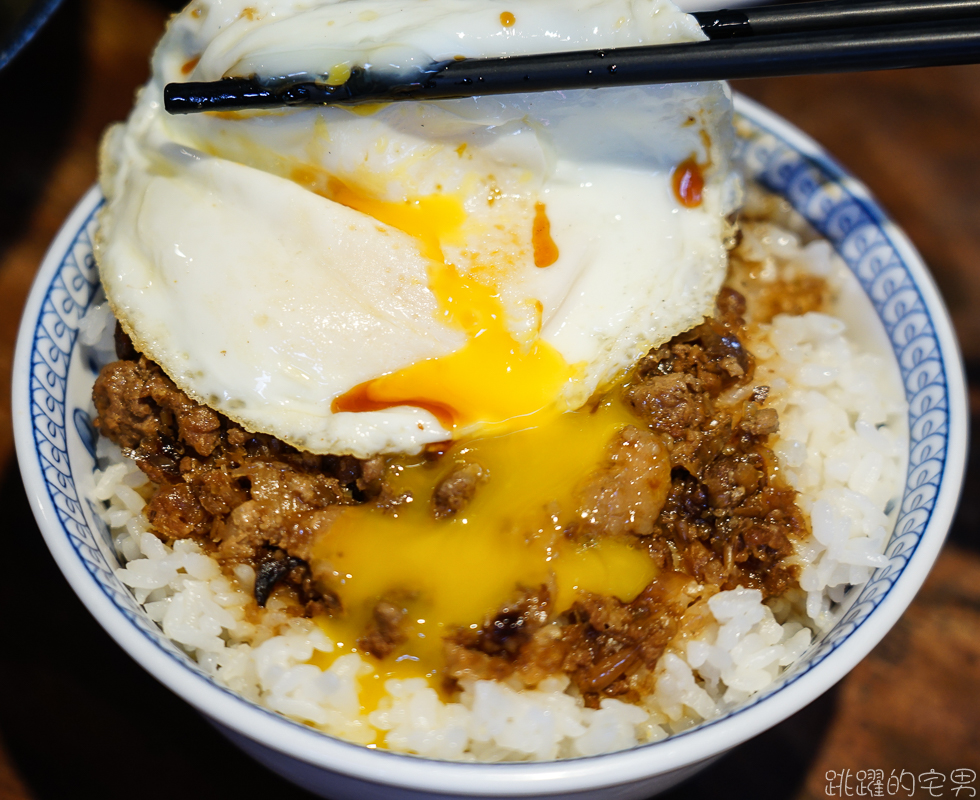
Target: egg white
267, 301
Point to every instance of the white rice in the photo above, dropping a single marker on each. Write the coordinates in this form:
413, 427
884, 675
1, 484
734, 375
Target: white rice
840, 444
842, 431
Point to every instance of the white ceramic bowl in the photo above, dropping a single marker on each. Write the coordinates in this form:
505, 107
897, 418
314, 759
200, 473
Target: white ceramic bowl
51, 402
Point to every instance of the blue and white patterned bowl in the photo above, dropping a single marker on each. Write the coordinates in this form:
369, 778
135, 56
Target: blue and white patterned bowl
51, 395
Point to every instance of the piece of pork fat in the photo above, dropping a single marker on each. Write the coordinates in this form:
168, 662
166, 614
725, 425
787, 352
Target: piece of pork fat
626, 494
455, 491
385, 632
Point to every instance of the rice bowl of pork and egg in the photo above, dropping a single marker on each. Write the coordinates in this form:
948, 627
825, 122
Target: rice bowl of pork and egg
217, 174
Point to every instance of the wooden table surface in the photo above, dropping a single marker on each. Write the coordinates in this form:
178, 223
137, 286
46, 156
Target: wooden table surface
77, 716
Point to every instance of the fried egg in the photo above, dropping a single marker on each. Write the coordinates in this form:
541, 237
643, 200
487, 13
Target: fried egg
374, 279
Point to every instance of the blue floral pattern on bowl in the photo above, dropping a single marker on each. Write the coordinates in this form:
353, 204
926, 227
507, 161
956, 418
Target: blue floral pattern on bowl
835, 205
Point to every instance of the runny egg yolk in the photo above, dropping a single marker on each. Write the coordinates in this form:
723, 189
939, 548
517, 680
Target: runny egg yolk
453, 572
493, 378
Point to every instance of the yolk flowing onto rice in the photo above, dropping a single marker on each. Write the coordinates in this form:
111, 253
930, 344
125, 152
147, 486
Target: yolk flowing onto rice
453, 572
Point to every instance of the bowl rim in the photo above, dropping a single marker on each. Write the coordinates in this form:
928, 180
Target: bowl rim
27, 27
513, 779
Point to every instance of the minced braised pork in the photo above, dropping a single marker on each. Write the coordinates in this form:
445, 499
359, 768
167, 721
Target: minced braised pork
518, 639
607, 647
249, 498
612, 647
726, 520
695, 489
694, 486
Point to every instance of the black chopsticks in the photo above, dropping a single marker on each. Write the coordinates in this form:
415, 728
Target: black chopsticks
830, 15
798, 39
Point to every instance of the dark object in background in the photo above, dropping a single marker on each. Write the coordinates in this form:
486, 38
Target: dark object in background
20, 22
12, 13
41, 49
